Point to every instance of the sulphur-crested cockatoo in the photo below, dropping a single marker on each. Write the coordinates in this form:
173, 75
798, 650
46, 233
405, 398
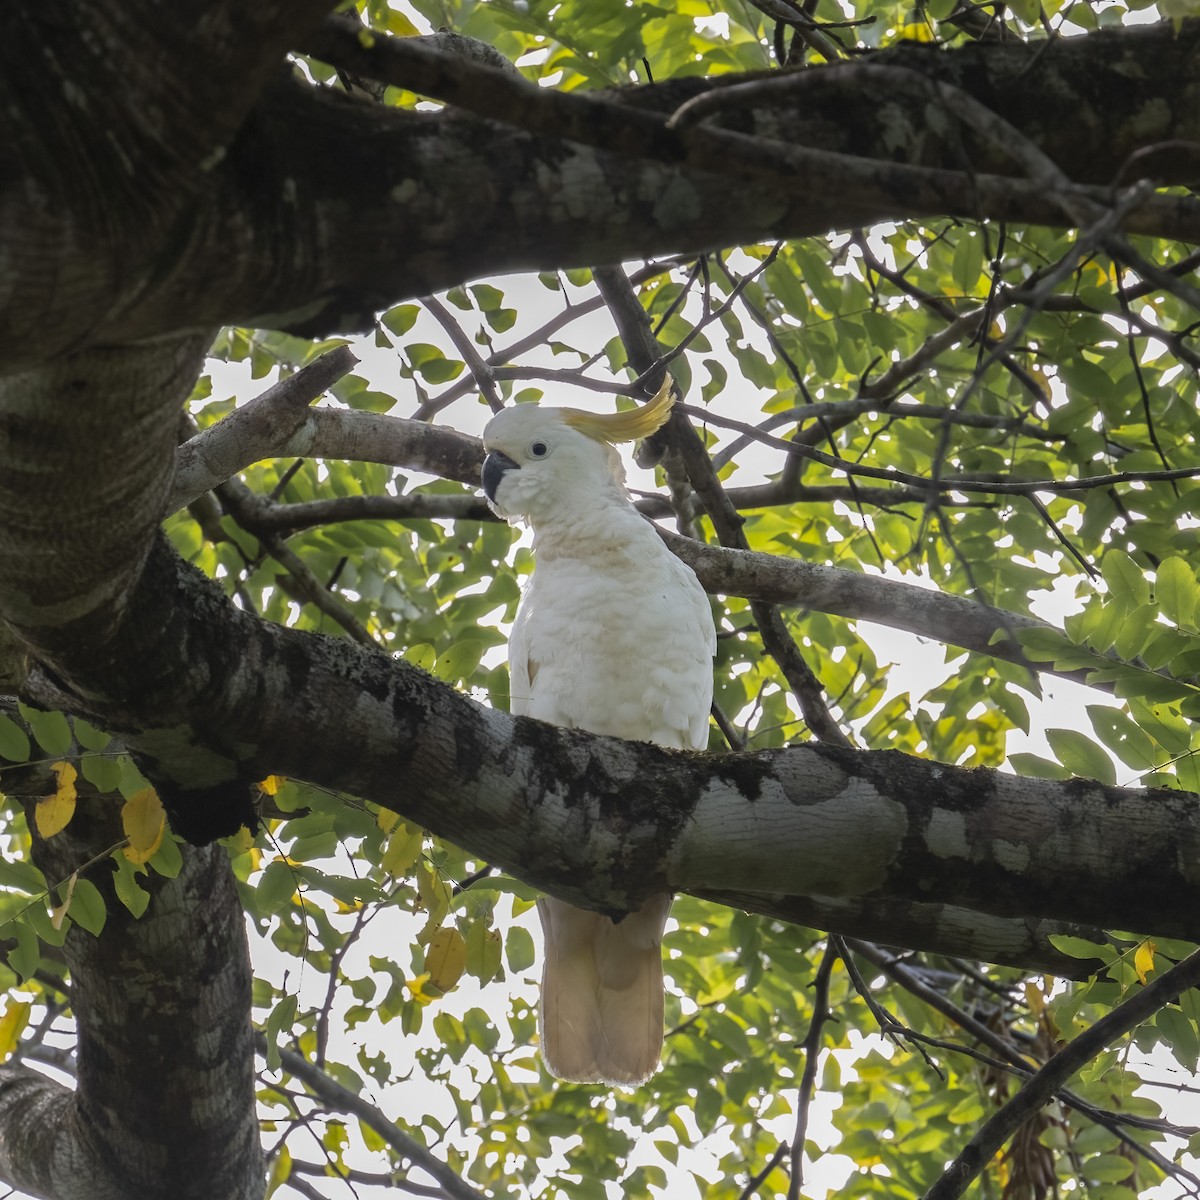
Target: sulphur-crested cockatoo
613, 635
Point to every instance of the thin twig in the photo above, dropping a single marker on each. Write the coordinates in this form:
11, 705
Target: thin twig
808, 1080
1113, 1122
953, 483
484, 376
756, 1181
540, 336
341, 1099
240, 502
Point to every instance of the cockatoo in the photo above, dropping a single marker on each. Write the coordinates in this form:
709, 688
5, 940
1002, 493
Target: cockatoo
613, 635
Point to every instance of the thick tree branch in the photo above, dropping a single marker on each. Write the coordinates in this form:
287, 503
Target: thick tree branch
600, 822
301, 210
112, 118
935, 927
861, 183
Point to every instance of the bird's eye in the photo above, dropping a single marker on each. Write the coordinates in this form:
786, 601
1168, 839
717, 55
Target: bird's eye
539, 449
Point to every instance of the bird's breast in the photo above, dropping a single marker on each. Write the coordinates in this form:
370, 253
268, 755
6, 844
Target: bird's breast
624, 652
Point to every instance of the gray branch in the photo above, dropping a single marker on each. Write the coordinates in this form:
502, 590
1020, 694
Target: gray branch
342, 433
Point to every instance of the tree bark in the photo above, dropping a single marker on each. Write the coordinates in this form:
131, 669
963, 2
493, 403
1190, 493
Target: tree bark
164, 1104
280, 225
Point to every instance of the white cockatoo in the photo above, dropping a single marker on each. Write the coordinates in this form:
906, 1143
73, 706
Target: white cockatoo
613, 635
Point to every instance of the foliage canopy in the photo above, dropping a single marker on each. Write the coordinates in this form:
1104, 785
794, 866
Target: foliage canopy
1000, 411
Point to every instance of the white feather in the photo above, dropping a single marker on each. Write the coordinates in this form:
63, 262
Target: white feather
614, 635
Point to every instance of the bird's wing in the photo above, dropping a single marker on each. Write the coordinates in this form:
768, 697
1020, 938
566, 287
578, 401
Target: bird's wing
522, 670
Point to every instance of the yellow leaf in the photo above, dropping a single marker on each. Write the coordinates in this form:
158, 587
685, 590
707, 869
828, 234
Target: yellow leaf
918, 31
240, 843
386, 819
434, 896
398, 25
58, 913
416, 989
143, 820
281, 1170
271, 785
54, 813
1043, 384
445, 959
403, 849
1143, 959
12, 1024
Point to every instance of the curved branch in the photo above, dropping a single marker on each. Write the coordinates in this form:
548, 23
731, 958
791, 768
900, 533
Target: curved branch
601, 822
299, 206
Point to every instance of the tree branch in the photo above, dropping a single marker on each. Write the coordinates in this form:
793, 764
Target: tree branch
342, 1099
291, 203
255, 430
340, 433
998, 1128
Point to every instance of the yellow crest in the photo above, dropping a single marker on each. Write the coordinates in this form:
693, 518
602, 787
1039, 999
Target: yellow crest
639, 422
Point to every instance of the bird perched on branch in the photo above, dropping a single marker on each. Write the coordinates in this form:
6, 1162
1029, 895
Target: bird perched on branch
614, 635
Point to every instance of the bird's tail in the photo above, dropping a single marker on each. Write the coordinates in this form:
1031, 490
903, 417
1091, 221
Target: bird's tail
602, 992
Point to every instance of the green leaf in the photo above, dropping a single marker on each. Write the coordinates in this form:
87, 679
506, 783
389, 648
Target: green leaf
487, 297
26, 956
276, 887
1037, 767
1081, 756
1081, 948
102, 772
483, 951
431, 364
460, 661
129, 891
400, 320
167, 860
968, 261
1108, 1168
1123, 737
1176, 590
518, 948
1125, 579
14, 741
88, 736
87, 906
22, 875
279, 1023
1180, 1035
369, 400
51, 729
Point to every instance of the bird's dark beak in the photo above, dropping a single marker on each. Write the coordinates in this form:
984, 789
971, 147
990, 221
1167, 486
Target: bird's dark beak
494, 467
